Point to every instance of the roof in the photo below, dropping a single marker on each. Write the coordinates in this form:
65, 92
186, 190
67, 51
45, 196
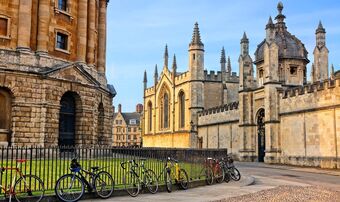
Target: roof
129, 116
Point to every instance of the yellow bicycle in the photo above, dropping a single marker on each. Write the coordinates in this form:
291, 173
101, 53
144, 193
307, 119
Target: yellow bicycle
173, 172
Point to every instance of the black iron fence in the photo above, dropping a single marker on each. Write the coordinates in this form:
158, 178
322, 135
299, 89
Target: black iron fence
51, 163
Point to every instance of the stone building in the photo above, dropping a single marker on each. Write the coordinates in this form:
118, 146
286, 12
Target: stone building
172, 104
53, 88
277, 116
126, 127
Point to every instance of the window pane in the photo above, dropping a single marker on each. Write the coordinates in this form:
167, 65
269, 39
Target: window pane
3, 27
62, 41
182, 110
166, 111
62, 4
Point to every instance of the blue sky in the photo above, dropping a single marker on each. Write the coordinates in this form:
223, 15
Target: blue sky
139, 29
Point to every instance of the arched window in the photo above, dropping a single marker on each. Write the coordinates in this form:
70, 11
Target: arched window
100, 127
181, 101
150, 117
5, 115
165, 111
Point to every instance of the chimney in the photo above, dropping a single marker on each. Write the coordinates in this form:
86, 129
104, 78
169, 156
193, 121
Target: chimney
139, 108
120, 108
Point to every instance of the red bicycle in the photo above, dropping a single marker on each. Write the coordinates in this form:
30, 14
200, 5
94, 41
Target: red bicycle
25, 188
217, 170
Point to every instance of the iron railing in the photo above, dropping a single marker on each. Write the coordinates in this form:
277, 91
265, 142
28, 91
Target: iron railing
51, 163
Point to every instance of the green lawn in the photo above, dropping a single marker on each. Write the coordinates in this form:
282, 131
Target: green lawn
50, 170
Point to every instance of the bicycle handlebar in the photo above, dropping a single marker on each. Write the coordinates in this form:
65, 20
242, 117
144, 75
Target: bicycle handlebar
133, 162
172, 159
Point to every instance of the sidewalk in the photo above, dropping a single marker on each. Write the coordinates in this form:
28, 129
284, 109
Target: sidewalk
216, 192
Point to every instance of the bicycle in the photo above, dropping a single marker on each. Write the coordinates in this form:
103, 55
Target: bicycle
134, 183
230, 169
71, 187
25, 188
218, 172
172, 170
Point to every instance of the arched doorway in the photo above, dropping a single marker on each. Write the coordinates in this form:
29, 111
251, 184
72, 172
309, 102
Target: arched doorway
261, 140
67, 119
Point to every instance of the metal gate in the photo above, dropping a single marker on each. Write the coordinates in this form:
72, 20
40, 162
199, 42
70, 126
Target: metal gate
261, 135
67, 121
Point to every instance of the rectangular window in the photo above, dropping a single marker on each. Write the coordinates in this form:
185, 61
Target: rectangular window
62, 5
132, 121
3, 27
134, 129
62, 41
129, 129
116, 121
293, 70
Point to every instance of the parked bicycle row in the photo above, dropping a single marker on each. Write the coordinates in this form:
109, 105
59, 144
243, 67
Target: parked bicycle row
136, 176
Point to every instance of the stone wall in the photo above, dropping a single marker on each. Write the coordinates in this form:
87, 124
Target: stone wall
310, 125
218, 127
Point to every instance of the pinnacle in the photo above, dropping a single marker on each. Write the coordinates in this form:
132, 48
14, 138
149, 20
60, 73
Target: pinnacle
145, 77
223, 60
166, 51
270, 23
196, 37
244, 38
320, 28
280, 7
229, 65
174, 63
156, 71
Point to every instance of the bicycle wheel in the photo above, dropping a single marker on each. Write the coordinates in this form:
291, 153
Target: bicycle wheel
69, 188
168, 181
104, 184
209, 176
183, 179
132, 184
235, 174
29, 188
150, 180
219, 174
226, 175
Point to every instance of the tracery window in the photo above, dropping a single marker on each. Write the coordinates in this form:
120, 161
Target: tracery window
181, 99
150, 116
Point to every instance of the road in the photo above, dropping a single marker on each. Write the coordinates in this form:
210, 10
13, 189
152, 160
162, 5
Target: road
267, 177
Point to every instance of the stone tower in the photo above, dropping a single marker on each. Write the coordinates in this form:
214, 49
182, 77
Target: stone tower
320, 65
196, 69
245, 107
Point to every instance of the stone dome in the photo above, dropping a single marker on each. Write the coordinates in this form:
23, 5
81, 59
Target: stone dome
290, 47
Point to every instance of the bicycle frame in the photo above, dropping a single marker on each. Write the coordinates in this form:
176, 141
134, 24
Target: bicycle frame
17, 170
83, 178
170, 165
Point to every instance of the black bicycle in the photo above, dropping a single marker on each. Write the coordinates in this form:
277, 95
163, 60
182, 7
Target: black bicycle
134, 182
71, 187
231, 172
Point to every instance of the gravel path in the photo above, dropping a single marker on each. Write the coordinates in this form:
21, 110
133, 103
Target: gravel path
290, 194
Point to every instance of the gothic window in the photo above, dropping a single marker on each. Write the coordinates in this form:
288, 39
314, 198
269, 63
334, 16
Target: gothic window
150, 116
165, 111
261, 72
62, 41
62, 5
181, 99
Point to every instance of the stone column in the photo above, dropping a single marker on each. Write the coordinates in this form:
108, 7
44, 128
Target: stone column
82, 30
24, 25
43, 26
102, 36
91, 32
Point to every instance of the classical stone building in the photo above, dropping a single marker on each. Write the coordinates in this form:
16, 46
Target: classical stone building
276, 115
172, 104
53, 89
126, 127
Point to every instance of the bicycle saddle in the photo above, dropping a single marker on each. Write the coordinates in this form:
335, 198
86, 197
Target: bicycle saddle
94, 168
21, 160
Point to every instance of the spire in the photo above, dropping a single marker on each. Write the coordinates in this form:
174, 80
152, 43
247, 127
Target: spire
320, 28
166, 56
229, 66
270, 23
156, 74
222, 60
196, 37
174, 64
244, 38
332, 71
145, 80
